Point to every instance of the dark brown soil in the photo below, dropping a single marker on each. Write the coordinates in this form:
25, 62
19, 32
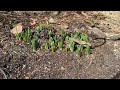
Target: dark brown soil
18, 61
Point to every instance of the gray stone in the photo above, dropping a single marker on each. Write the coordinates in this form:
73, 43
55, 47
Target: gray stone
114, 38
97, 33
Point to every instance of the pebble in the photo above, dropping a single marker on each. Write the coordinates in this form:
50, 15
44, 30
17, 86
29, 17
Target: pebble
62, 68
23, 66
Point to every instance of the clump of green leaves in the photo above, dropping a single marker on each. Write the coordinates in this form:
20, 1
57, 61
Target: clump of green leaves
84, 37
24, 36
28, 37
56, 41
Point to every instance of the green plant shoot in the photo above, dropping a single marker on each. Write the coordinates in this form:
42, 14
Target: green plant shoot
60, 45
46, 46
53, 46
87, 50
84, 37
50, 33
17, 36
79, 50
71, 45
56, 40
40, 26
34, 43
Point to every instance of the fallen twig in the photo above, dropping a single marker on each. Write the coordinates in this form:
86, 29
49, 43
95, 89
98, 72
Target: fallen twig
90, 62
81, 42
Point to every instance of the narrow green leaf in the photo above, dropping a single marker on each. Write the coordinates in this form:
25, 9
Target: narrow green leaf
40, 26
60, 45
71, 45
52, 44
56, 40
34, 44
79, 50
67, 37
50, 40
53, 48
17, 36
50, 33
87, 50
46, 46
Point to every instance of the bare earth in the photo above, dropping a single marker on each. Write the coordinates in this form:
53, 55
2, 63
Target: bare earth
18, 61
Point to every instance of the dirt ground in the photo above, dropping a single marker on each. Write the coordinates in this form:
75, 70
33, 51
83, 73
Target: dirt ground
18, 61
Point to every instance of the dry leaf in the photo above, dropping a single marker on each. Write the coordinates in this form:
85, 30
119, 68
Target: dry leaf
17, 29
33, 21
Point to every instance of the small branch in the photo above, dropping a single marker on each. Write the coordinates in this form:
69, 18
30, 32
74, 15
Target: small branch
81, 42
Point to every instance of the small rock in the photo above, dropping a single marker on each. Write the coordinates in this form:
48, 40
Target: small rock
114, 38
17, 29
62, 68
97, 33
23, 66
